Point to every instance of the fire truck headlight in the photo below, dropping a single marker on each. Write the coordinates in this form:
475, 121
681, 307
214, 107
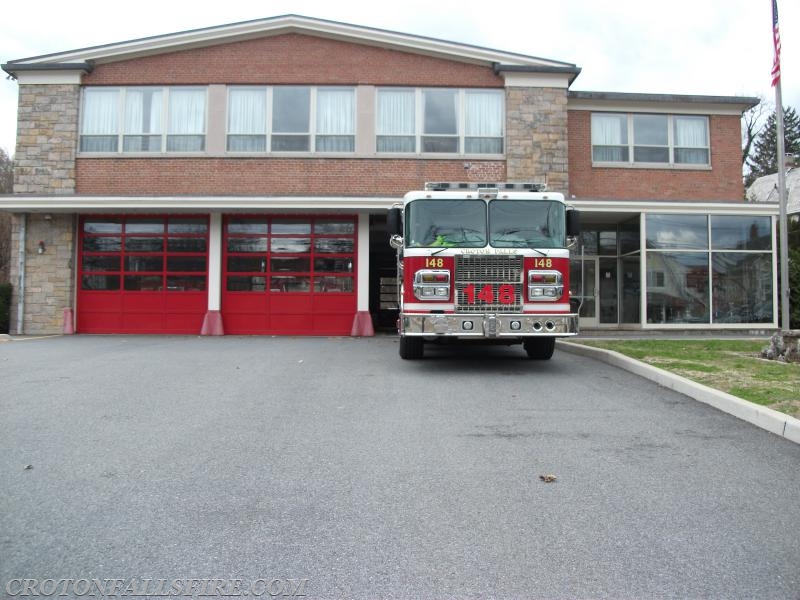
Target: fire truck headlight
433, 284
545, 286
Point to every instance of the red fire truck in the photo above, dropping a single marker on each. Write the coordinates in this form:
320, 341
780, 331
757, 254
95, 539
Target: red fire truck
485, 262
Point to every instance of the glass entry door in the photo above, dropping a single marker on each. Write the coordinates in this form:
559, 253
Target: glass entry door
585, 270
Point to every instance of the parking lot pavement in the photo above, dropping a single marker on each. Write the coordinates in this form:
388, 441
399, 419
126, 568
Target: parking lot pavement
329, 466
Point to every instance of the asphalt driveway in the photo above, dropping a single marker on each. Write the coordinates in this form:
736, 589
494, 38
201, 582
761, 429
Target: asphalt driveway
331, 468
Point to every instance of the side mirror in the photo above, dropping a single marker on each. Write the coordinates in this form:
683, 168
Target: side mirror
394, 221
573, 223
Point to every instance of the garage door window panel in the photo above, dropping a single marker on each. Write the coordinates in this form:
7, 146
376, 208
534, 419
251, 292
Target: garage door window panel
289, 254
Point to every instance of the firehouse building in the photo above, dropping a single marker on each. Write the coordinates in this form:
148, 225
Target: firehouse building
236, 179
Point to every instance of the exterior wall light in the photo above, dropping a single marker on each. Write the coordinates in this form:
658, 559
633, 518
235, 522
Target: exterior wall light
41, 249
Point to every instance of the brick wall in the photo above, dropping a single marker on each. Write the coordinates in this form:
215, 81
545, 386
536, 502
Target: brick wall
47, 134
293, 58
536, 119
723, 182
273, 176
48, 276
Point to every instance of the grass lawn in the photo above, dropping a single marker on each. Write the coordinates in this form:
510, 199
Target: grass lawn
733, 366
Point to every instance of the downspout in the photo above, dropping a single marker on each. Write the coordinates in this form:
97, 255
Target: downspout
21, 284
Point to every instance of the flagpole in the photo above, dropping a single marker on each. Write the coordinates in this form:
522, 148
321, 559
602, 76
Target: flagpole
784, 232
781, 152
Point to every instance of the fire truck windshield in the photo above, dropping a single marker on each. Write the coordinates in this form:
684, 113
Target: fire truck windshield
446, 223
463, 223
526, 224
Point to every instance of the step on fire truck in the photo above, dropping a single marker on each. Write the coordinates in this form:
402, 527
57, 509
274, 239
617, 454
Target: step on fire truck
486, 262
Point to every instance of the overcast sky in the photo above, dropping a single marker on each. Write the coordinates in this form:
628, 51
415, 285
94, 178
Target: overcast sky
704, 47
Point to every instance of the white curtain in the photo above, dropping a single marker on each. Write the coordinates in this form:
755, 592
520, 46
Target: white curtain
484, 122
396, 121
100, 112
691, 140
187, 111
143, 111
484, 114
335, 121
187, 120
247, 112
609, 138
247, 120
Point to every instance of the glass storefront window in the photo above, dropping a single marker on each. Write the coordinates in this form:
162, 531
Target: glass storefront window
741, 233
677, 287
677, 232
742, 287
629, 236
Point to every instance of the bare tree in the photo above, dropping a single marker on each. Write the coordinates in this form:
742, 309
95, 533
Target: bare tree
752, 122
6, 187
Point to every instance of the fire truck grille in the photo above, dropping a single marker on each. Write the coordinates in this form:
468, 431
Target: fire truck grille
488, 283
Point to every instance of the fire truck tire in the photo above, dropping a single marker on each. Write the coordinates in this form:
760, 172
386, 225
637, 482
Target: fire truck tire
411, 348
540, 349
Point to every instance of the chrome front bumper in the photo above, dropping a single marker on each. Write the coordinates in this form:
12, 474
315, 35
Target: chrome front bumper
489, 326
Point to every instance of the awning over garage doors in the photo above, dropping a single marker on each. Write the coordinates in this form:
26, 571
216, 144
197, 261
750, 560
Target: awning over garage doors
142, 274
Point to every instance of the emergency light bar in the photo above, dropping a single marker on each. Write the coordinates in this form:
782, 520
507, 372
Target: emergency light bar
445, 186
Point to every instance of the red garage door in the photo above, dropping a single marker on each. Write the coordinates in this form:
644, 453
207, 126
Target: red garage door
289, 275
142, 274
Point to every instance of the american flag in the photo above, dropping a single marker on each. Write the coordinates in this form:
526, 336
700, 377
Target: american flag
776, 39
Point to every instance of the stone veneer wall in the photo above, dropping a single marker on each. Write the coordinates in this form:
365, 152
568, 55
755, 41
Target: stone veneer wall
44, 164
48, 276
537, 136
47, 139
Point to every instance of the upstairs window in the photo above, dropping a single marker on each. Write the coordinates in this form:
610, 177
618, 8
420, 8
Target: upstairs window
674, 140
291, 119
146, 119
396, 121
440, 121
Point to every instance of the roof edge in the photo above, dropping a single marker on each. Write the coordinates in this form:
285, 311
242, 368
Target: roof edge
747, 101
12, 68
285, 23
572, 70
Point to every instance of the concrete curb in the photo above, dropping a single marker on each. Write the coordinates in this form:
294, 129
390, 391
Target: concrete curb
766, 418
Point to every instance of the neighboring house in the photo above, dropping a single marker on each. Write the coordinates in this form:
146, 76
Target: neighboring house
765, 189
236, 179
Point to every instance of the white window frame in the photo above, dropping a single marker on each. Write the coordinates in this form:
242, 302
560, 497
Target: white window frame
312, 132
461, 117
671, 143
165, 124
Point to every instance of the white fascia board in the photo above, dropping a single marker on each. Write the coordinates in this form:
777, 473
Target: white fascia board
55, 77
684, 208
71, 204
537, 80
292, 24
684, 108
